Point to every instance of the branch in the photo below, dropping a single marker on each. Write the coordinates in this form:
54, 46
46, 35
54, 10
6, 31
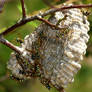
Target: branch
13, 47
48, 23
10, 45
66, 7
13, 27
35, 17
23, 9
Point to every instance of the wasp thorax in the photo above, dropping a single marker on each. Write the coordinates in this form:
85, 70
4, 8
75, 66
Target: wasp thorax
56, 53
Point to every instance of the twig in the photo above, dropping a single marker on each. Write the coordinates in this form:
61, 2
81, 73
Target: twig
10, 45
25, 20
66, 7
13, 47
48, 23
23, 9
35, 17
13, 27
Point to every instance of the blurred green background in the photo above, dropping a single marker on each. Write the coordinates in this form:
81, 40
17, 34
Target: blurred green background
11, 13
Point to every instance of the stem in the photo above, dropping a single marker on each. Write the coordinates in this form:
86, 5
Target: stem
10, 45
35, 17
23, 9
66, 7
13, 27
48, 23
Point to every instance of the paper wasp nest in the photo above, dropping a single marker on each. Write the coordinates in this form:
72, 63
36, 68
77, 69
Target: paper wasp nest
53, 55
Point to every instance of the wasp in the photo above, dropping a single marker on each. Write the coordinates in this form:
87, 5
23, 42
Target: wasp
19, 40
16, 78
85, 13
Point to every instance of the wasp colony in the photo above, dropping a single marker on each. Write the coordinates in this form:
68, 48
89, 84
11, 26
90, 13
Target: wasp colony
53, 55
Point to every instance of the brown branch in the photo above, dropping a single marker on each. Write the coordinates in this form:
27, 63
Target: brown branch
13, 27
13, 47
66, 7
48, 23
10, 45
23, 9
35, 17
